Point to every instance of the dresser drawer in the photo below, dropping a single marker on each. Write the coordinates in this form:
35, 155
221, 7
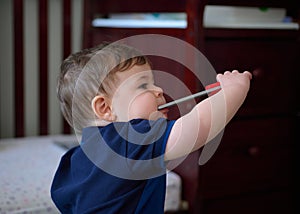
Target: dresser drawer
274, 65
273, 131
264, 202
253, 156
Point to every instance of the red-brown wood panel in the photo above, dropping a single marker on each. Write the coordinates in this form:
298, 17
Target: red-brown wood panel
43, 67
19, 68
66, 44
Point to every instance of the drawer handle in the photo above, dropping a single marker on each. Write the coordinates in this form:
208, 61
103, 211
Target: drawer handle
254, 151
257, 73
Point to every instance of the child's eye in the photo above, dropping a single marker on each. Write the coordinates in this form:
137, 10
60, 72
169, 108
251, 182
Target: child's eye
143, 86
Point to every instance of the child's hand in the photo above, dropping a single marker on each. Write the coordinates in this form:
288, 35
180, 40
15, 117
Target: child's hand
235, 78
209, 117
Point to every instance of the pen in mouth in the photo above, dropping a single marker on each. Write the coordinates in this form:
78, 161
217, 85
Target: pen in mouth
210, 88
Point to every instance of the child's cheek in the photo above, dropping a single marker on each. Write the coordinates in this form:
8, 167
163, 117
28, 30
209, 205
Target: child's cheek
143, 105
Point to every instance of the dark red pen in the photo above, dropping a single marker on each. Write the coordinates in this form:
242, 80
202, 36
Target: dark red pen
210, 90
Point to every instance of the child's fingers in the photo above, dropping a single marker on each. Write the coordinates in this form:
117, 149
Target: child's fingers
234, 73
249, 74
218, 77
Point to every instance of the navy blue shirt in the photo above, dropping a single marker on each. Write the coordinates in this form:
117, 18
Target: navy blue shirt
118, 168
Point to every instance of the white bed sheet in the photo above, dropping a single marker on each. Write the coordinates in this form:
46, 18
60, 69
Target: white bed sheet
27, 167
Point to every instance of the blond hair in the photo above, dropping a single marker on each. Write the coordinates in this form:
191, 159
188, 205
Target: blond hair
89, 72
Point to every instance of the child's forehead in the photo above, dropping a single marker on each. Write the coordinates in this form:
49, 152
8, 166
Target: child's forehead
136, 72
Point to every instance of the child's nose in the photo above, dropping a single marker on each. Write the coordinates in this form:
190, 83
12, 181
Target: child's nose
158, 91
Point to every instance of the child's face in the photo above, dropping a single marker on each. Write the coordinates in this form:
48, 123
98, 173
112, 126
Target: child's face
137, 96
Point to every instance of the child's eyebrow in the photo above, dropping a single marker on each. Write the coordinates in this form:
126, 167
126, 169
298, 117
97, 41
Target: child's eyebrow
145, 77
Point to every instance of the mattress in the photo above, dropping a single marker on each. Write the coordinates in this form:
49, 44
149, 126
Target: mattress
27, 167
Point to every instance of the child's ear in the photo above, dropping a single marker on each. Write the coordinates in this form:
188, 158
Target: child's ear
102, 108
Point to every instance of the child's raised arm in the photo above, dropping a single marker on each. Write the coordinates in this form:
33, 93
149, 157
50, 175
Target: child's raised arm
209, 117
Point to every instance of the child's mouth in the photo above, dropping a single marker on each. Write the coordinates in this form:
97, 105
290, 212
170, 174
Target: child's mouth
164, 112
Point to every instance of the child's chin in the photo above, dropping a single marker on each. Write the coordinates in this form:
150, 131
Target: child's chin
156, 115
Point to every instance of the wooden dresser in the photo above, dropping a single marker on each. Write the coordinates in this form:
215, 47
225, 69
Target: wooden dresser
254, 168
